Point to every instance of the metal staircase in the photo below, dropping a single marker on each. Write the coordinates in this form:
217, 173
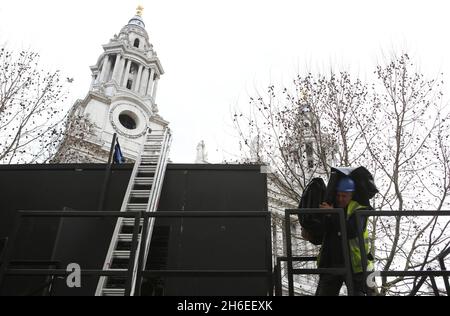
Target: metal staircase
142, 194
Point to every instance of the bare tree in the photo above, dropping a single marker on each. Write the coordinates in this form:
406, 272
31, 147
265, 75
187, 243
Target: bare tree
31, 108
297, 131
405, 142
398, 129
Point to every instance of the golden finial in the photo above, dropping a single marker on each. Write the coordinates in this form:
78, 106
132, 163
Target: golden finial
139, 10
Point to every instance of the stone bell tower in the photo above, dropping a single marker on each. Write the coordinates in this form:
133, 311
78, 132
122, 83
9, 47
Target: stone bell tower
121, 99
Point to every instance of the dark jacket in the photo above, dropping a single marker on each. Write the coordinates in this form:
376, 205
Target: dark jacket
331, 254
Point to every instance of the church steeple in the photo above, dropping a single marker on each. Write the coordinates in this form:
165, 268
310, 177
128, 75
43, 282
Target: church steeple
122, 95
129, 63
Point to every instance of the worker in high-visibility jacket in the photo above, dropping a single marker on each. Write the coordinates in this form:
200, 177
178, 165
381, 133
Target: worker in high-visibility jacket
331, 255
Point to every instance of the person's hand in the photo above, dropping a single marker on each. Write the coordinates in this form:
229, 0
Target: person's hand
325, 205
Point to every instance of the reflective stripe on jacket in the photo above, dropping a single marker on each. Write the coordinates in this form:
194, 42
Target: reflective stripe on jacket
353, 244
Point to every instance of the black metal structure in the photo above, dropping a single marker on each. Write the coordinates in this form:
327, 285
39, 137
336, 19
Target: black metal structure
424, 274
178, 243
7, 270
277, 278
346, 270
441, 259
104, 191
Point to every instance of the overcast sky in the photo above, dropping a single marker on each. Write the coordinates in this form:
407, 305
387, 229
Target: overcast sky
216, 53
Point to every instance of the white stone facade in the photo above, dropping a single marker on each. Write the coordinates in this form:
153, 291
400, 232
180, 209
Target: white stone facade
122, 95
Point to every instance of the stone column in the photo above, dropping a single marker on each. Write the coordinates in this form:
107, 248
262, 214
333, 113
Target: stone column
121, 70
144, 81
155, 86
116, 67
108, 68
93, 81
103, 73
126, 74
150, 82
138, 79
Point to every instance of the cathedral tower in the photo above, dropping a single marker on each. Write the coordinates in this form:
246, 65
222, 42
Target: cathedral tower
121, 99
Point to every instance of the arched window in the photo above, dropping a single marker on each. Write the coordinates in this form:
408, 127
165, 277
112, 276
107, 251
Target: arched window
136, 43
129, 84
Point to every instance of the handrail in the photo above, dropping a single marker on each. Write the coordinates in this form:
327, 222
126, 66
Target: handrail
5, 268
364, 259
347, 270
289, 258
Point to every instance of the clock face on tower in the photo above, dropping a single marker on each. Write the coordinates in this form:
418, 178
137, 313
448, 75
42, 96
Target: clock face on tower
128, 120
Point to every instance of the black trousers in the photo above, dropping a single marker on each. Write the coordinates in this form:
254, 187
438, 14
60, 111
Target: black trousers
330, 285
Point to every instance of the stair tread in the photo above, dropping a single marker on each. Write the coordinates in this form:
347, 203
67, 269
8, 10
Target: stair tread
121, 254
113, 291
130, 221
127, 237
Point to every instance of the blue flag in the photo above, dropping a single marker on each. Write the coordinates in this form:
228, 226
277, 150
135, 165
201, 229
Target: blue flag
118, 157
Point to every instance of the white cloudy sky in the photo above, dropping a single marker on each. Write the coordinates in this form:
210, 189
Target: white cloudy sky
217, 52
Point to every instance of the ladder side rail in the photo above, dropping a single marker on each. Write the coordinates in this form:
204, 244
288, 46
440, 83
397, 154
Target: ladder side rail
154, 195
115, 235
165, 152
159, 173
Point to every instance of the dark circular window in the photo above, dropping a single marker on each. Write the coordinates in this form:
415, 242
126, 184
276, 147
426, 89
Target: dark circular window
127, 121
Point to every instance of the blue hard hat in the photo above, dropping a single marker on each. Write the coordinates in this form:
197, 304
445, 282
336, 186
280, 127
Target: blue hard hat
346, 185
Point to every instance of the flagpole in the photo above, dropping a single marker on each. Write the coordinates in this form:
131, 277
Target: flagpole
107, 175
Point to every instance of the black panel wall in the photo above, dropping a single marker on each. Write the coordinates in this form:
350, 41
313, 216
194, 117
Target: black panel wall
213, 243
184, 243
53, 187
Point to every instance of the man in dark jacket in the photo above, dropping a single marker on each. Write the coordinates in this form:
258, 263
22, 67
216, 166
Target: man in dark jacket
331, 252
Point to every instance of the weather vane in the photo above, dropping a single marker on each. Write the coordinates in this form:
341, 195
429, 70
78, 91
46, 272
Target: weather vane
139, 10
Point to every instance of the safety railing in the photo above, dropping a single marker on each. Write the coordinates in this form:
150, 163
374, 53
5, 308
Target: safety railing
441, 259
346, 270
46, 287
424, 274
7, 270
277, 271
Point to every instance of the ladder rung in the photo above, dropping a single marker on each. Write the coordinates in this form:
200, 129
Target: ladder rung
146, 160
149, 157
140, 193
147, 169
157, 146
126, 238
139, 187
136, 207
113, 292
143, 181
155, 139
121, 254
154, 152
130, 221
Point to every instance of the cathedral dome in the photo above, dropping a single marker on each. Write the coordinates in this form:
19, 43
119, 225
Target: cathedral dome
135, 25
137, 20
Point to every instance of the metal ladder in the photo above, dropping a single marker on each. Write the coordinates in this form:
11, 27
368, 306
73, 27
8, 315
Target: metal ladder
142, 194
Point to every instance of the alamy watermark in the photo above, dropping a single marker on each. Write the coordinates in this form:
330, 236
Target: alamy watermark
74, 278
370, 281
